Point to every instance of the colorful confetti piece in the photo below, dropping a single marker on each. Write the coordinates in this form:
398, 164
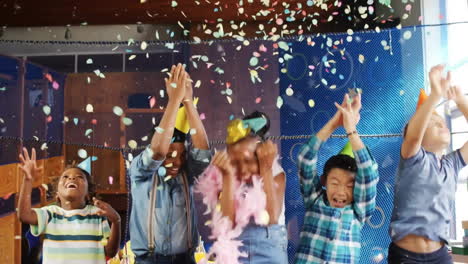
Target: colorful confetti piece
82, 153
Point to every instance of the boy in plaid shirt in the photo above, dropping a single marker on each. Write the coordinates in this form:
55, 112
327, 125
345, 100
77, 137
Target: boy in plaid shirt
335, 216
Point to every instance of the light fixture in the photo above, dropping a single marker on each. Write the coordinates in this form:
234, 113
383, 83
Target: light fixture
68, 34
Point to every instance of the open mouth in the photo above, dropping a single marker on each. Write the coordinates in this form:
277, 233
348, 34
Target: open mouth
71, 186
339, 202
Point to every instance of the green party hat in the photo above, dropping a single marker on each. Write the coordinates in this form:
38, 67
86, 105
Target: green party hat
347, 150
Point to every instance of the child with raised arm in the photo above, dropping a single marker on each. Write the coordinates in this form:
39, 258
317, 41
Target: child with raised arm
75, 231
426, 180
335, 216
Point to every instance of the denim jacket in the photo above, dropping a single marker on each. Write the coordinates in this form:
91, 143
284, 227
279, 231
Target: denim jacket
163, 218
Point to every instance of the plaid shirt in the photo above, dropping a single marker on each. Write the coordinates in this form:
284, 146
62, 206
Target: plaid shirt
333, 235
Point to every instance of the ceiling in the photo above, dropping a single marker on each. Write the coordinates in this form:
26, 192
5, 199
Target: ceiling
28, 13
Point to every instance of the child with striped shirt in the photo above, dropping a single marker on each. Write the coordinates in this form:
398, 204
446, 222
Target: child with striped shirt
334, 217
74, 230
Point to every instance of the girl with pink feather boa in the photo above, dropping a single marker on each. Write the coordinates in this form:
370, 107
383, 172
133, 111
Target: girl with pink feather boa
243, 189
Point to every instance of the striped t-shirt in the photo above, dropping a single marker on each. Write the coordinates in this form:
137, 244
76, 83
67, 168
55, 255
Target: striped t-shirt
71, 236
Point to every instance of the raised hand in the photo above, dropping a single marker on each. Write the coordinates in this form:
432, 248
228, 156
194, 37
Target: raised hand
455, 93
28, 164
439, 84
188, 89
350, 116
222, 161
266, 153
106, 210
176, 83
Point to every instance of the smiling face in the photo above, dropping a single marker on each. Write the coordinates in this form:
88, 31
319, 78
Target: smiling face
175, 159
340, 186
72, 186
243, 158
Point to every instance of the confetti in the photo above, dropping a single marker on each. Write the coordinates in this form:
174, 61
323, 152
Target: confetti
361, 58
197, 84
193, 131
253, 61
82, 153
55, 85
132, 144
174, 4
167, 177
46, 109
143, 45
127, 121
89, 61
289, 91
311, 103
48, 77
89, 108
44, 146
152, 101
3, 88
407, 35
162, 171
202, 116
88, 132
279, 102
283, 45
159, 130
174, 154
229, 99
173, 85
117, 110
132, 57
75, 120
111, 180
258, 100
145, 138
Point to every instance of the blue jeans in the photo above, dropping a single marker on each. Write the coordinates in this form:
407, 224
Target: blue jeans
264, 245
184, 258
398, 255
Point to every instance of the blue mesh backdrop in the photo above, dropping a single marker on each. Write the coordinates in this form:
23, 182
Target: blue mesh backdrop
317, 72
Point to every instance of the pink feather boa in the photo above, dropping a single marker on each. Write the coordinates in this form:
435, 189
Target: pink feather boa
250, 201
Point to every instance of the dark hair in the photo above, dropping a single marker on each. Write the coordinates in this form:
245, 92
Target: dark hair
262, 132
89, 179
339, 161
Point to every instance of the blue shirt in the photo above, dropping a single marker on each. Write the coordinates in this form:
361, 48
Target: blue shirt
424, 189
333, 235
170, 225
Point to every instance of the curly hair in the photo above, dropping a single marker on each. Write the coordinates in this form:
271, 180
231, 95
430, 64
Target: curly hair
89, 179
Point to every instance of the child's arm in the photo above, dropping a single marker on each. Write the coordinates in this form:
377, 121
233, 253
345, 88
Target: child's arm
112, 247
418, 124
455, 93
175, 87
222, 161
30, 169
365, 187
367, 178
198, 136
273, 185
307, 157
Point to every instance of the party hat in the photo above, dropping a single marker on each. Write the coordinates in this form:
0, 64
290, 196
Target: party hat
85, 165
347, 150
182, 123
